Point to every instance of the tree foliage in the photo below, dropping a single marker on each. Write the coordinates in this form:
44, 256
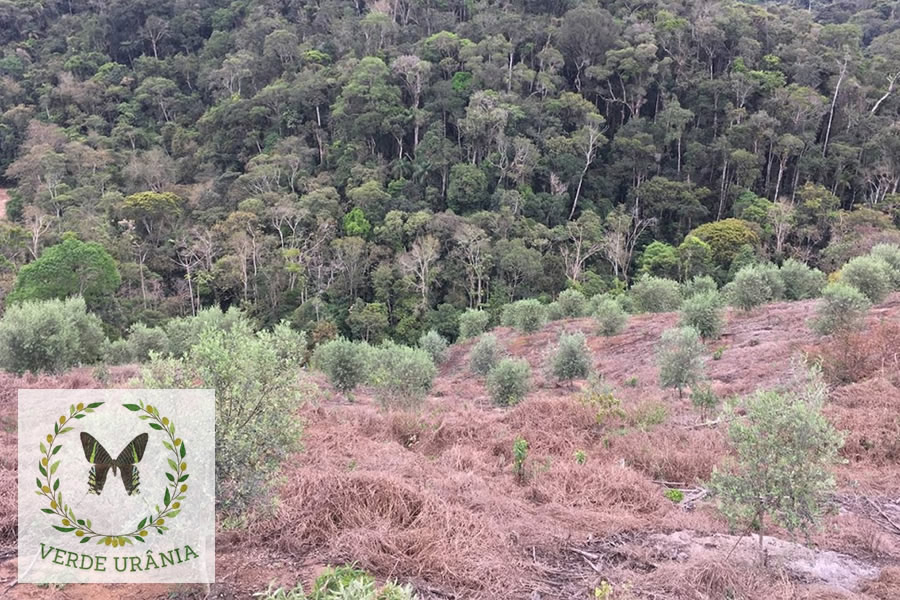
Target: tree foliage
785, 450
49, 335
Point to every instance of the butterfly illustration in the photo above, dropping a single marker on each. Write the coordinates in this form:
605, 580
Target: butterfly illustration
101, 463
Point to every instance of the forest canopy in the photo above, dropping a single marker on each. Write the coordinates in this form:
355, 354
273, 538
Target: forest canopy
381, 166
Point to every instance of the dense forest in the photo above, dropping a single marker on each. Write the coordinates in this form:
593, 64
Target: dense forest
375, 168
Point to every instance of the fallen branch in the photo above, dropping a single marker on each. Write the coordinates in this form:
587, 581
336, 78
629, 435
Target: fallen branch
884, 515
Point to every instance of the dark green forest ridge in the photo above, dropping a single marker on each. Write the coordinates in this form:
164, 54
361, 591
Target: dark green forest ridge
374, 168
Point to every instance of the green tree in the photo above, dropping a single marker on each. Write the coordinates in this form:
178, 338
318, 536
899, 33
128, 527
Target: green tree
703, 312
843, 308
725, 238
70, 268
345, 363
784, 452
508, 382
571, 359
257, 396
468, 188
679, 356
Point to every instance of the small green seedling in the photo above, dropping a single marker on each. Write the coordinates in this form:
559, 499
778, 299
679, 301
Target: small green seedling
520, 453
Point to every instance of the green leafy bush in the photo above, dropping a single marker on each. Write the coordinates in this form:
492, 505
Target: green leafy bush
784, 450
473, 323
755, 285
571, 359
704, 313
801, 281
842, 308
889, 253
342, 583
680, 358
435, 345
344, 362
611, 318
871, 276
184, 332
143, 340
527, 316
699, 284
654, 294
554, 312
49, 335
402, 376
484, 354
257, 396
572, 303
509, 381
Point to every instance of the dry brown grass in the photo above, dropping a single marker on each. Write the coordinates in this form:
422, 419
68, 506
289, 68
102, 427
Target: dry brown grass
857, 356
886, 586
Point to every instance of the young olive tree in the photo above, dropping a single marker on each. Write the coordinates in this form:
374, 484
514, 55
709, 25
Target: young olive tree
572, 359
344, 362
680, 358
610, 317
781, 469
257, 396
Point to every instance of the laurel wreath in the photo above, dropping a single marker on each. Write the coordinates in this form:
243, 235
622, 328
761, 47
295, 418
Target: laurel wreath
176, 490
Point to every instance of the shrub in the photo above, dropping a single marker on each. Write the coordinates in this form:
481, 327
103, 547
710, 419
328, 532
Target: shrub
290, 344
525, 315
184, 332
859, 355
784, 451
143, 340
49, 335
472, 323
572, 359
699, 284
342, 583
800, 281
435, 345
484, 354
703, 312
842, 308
343, 361
654, 294
572, 303
509, 381
610, 317
554, 312
889, 253
871, 276
680, 358
257, 396
402, 376
755, 285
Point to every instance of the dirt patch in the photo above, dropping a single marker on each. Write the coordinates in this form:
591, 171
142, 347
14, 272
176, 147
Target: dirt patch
4, 198
811, 566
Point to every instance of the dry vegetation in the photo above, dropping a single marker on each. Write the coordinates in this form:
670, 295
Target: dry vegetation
430, 497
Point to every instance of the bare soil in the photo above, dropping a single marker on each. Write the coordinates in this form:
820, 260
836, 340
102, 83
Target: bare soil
429, 497
4, 198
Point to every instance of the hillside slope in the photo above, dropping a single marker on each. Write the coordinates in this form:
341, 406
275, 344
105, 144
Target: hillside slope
430, 497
